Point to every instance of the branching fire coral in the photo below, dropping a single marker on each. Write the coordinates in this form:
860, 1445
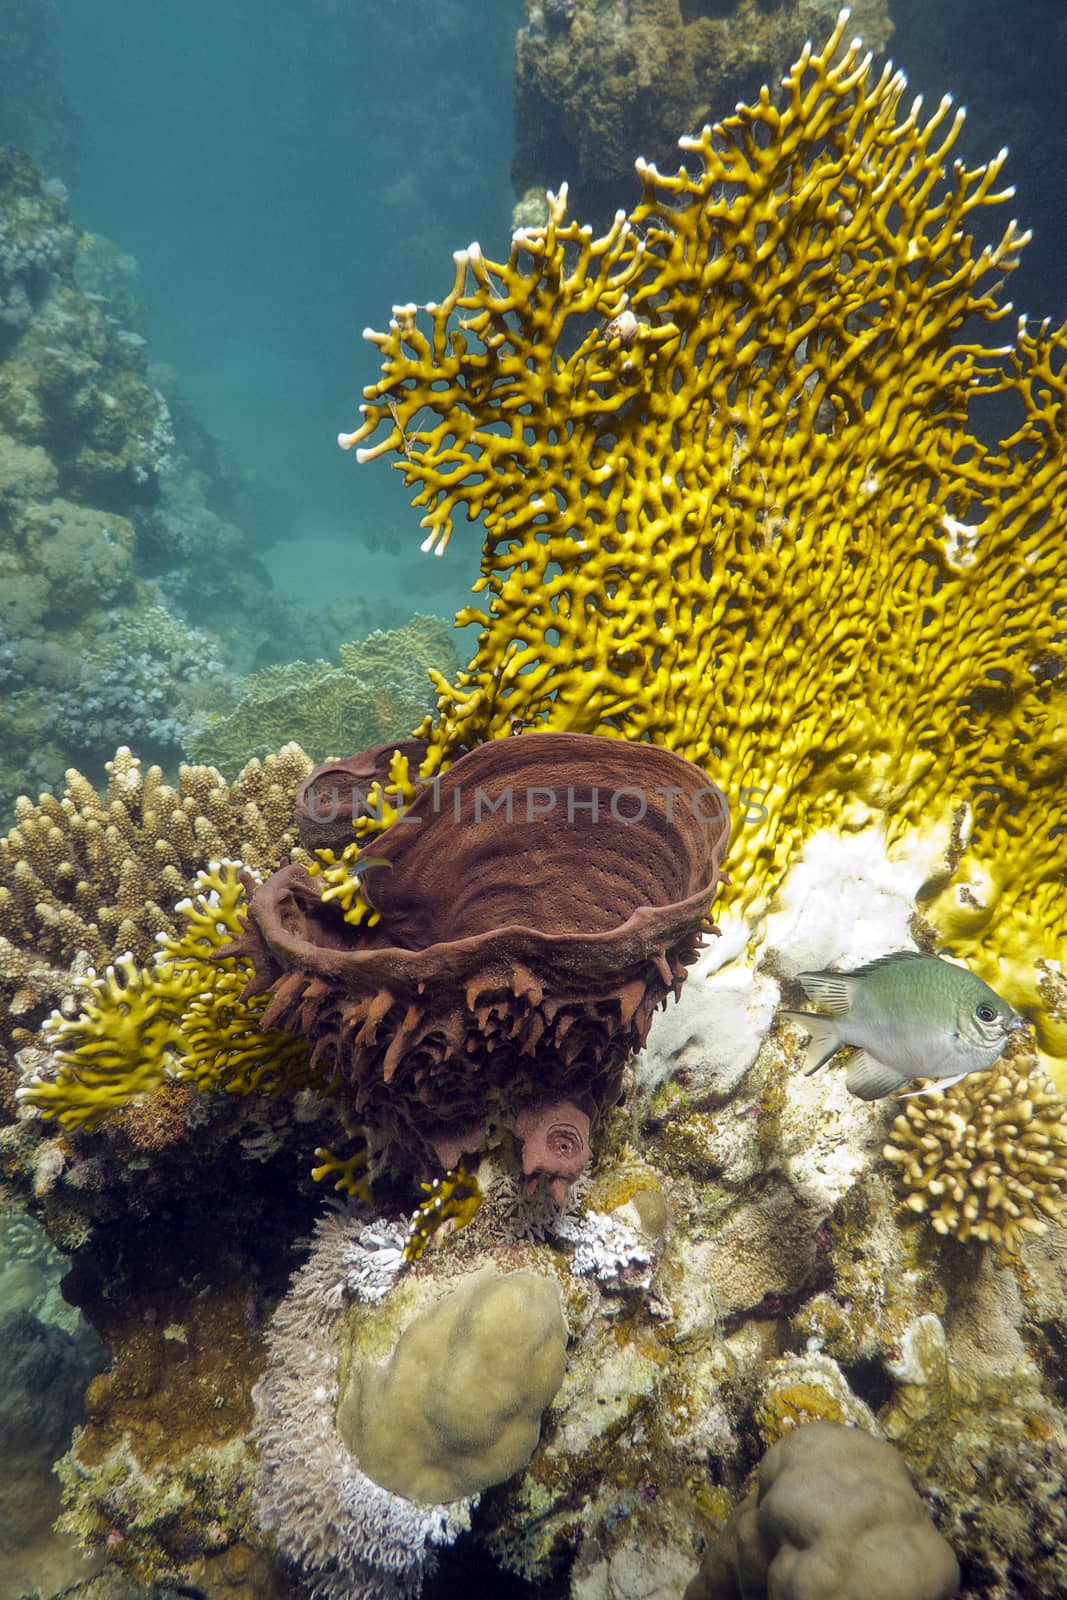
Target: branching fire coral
738, 497
987, 1159
182, 1019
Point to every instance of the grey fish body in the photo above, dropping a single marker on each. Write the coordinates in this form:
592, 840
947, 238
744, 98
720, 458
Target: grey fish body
907, 1015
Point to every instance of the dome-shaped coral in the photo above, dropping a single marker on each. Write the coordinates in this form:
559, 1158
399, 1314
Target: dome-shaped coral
542, 899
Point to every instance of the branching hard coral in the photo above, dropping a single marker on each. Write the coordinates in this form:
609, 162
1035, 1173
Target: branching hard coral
180, 1020
987, 1159
738, 497
379, 692
101, 872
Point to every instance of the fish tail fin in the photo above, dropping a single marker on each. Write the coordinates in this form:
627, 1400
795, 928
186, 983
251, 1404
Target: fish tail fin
824, 1036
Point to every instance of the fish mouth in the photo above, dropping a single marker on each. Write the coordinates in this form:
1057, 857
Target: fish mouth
1019, 1025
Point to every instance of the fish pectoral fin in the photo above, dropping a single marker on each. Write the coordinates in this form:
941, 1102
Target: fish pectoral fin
869, 1079
824, 1039
828, 989
936, 1087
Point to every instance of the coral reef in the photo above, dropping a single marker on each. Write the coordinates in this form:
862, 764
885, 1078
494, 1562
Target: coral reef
598, 84
45, 1371
730, 460
835, 1514
129, 590
35, 113
380, 691
730, 516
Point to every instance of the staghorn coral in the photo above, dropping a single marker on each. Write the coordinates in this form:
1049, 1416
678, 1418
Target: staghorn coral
986, 1159
379, 692
737, 497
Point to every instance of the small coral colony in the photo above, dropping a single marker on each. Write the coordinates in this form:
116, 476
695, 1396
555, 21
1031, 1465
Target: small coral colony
772, 491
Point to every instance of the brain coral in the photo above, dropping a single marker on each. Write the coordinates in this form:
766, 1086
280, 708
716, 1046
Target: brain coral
764, 479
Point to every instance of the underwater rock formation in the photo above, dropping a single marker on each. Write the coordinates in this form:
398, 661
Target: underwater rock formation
600, 82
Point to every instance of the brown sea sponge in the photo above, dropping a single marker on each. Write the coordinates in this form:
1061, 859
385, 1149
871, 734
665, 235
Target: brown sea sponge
987, 1159
543, 898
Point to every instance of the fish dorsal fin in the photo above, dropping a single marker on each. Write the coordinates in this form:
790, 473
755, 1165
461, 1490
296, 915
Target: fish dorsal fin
893, 959
824, 1037
828, 989
869, 1079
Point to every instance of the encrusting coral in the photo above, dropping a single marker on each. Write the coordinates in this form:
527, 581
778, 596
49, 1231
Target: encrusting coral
987, 1159
731, 464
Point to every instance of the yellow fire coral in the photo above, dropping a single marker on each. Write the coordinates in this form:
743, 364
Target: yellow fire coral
987, 1159
733, 465
180, 1020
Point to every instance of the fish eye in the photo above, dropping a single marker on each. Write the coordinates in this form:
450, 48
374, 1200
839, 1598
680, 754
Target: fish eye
986, 1014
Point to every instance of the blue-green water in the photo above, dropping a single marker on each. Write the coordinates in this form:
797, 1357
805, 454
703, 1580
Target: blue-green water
283, 173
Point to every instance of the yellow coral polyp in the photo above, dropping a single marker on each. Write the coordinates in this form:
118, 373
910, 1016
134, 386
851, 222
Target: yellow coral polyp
732, 463
182, 1019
